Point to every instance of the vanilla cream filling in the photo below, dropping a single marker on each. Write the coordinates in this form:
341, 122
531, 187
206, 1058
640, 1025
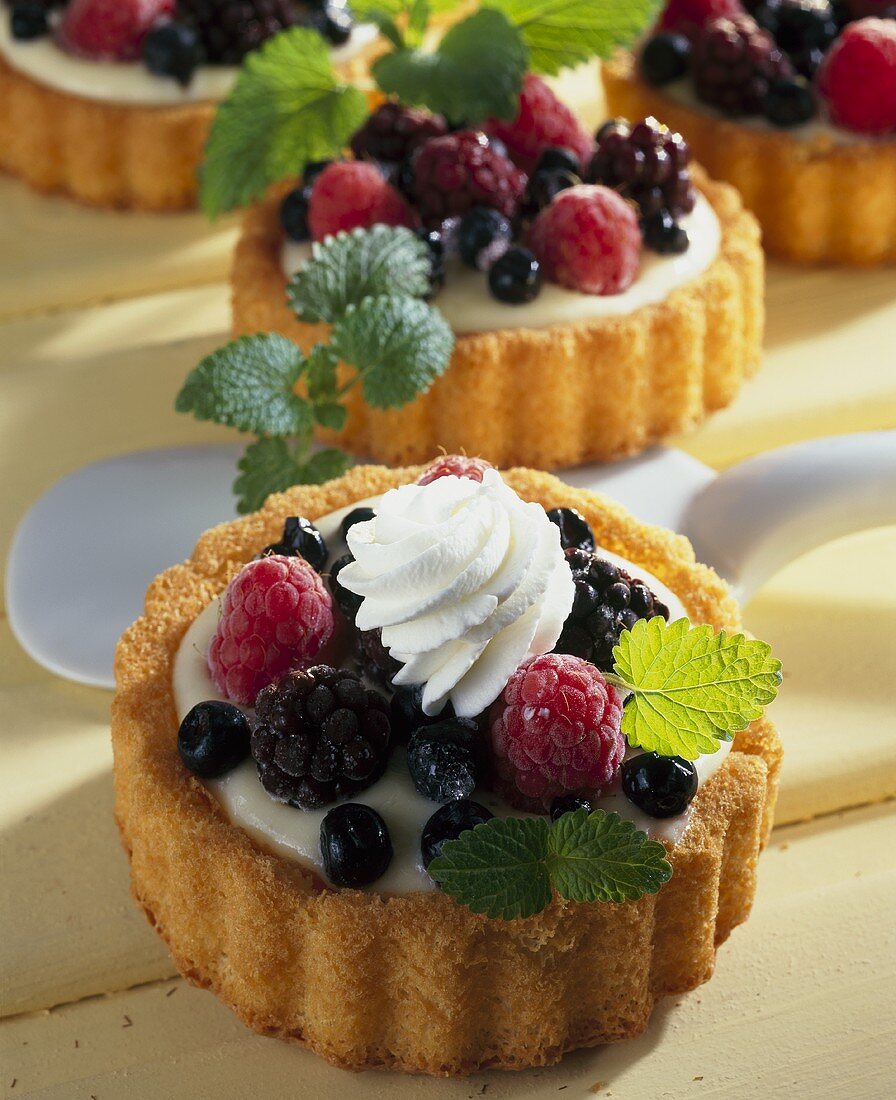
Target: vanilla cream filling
130, 81
295, 834
467, 305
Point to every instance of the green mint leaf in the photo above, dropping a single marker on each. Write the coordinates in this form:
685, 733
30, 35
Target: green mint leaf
320, 373
267, 466
330, 415
286, 108
399, 346
249, 384
601, 857
364, 263
325, 465
475, 72
498, 868
561, 33
692, 688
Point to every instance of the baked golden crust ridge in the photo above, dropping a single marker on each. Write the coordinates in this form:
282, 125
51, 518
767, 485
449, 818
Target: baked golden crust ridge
556, 396
817, 200
417, 983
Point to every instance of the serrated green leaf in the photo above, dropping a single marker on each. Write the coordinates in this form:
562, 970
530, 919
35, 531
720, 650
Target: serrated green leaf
364, 263
475, 72
320, 373
692, 688
267, 466
248, 384
561, 33
286, 108
601, 857
399, 346
330, 415
498, 868
325, 465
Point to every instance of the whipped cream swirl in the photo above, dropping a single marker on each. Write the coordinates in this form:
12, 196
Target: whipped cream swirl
465, 580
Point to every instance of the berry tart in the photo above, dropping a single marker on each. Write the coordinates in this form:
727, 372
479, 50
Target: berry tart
793, 102
435, 769
110, 101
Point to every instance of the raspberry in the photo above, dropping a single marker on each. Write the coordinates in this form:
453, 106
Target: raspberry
858, 77
352, 195
456, 466
393, 132
588, 239
607, 601
276, 615
453, 173
734, 64
542, 121
555, 731
110, 28
321, 736
689, 15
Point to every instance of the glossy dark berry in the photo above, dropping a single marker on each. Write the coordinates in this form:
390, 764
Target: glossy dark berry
406, 712
173, 49
443, 759
301, 539
482, 236
664, 235
313, 169
347, 602
568, 804
804, 29
28, 21
575, 530
516, 277
294, 213
447, 823
355, 845
229, 29
433, 240
374, 658
356, 515
789, 103
558, 156
213, 738
544, 186
334, 21
664, 58
661, 786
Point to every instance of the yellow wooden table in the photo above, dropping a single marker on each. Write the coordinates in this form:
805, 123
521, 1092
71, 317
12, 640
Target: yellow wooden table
103, 318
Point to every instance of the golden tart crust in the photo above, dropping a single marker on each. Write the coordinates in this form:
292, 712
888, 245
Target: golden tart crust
107, 154
817, 200
556, 396
417, 982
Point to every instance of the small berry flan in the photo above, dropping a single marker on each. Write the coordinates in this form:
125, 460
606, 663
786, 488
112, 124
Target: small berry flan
438, 769
793, 102
110, 101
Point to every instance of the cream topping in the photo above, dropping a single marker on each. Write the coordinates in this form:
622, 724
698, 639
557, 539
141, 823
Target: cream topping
467, 305
295, 834
111, 81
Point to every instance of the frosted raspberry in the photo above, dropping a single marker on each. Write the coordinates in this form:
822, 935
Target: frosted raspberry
352, 194
690, 15
453, 173
555, 731
276, 616
858, 77
110, 28
588, 239
542, 121
458, 465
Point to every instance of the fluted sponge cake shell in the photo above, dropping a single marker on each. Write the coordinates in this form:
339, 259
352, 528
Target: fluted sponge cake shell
417, 982
556, 396
818, 200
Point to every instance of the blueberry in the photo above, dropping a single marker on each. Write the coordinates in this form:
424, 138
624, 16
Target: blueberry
516, 277
406, 712
432, 238
312, 170
788, 103
574, 528
355, 845
173, 49
665, 58
558, 156
334, 21
294, 213
664, 235
301, 539
544, 186
661, 786
447, 823
213, 738
443, 759
482, 233
567, 805
356, 515
347, 602
28, 21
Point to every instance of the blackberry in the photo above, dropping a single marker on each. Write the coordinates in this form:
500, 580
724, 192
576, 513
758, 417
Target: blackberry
661, 786
301, 539
320, 736
803, 29
567, 804
347, 602
294, 212
393, 132
575, 531
483, 236
607, 601
356, 515
374, 658
355, 845
734, 63
229, 29
516, 277
789, 103
447, 823
444, 759
648, 164
213, 738
664, 58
